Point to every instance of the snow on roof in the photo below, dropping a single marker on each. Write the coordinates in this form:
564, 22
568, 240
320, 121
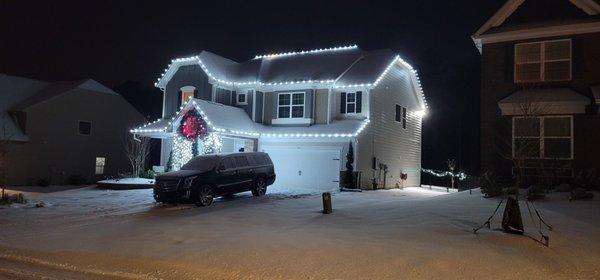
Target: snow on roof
351, 65
545, 95
544, 101
224, 118
341, 67
232, 120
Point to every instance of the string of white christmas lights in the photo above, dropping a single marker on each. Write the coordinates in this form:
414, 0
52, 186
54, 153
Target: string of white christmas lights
342, 48
250, 133
461, 175
169, 71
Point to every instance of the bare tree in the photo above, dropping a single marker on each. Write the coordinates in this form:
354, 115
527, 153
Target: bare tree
137, 151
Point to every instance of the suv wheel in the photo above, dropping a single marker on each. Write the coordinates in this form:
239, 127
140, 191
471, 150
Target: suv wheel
204, 196
260, 187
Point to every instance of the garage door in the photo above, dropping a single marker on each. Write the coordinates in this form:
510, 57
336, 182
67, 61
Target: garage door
305, 168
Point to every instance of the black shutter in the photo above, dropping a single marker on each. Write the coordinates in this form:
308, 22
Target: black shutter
343, 103
358, 101
179, 92
195, 93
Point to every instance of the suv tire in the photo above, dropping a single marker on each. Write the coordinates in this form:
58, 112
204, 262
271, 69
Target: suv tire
204, 196
260, 187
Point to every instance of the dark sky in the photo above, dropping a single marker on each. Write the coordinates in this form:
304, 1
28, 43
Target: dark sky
118, 41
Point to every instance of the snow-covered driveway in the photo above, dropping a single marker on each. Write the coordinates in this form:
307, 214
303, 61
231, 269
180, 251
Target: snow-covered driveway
397, 234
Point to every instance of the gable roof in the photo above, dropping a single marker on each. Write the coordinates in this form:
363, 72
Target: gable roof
59, 88
494, 24
18, 94
337, 67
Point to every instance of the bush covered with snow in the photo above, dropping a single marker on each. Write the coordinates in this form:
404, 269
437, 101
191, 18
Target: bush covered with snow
8, 199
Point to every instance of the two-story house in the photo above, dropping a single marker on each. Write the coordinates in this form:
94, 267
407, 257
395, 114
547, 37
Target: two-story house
541, 75
302, 108
60, 130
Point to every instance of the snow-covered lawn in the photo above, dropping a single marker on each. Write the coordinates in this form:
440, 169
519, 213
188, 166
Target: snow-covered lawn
91, 233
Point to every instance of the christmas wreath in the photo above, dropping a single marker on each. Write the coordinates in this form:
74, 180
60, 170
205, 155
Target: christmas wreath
192, 126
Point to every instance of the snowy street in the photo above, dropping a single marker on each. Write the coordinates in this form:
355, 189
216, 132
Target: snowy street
91, 233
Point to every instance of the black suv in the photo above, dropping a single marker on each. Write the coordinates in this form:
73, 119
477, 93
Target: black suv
207, 176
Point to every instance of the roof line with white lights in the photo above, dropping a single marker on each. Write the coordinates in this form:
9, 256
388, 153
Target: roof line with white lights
342, 48
196, 106
193, 60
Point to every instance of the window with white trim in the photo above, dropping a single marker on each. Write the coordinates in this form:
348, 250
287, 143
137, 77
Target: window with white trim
401, 115
187, 92
544, 61
241, 98
547, 137
100, 163
290, 105
350, 102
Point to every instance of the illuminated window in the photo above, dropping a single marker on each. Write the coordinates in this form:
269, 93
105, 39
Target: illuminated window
100, 163
187, 93
543, 61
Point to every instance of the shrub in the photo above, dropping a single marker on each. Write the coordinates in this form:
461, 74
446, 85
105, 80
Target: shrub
490, 185
13, 198
148, 174
76, 180
536, 192
42, 182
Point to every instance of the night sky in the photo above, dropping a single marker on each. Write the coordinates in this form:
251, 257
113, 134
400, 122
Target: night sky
127, 45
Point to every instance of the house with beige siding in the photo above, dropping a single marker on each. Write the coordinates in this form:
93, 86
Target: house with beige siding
61, 130
303, 108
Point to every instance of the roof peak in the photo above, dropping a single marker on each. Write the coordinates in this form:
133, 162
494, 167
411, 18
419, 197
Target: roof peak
338, 48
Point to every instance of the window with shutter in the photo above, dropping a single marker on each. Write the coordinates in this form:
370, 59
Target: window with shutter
351, 102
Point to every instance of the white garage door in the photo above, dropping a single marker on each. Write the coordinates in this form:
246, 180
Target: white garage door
305, 168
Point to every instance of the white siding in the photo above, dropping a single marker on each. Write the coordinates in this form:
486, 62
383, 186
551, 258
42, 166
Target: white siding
385, 138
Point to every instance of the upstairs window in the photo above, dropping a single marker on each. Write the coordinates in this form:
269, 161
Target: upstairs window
401, 115
351, 102
241, 99
545, 61
187, 92
84, 128
290, 105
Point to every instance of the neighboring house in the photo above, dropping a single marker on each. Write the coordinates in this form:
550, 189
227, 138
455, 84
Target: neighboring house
61, 129
541, 56
303, 108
